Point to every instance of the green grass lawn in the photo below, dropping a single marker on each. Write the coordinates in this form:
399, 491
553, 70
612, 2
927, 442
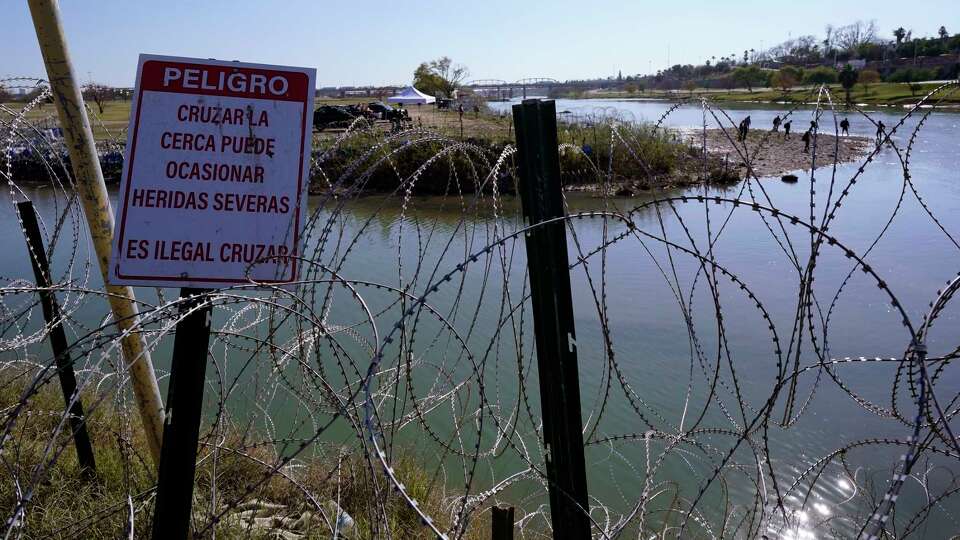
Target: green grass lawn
874, 94
112, 123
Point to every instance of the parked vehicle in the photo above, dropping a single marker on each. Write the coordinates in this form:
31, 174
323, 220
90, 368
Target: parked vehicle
381, 109
327, 116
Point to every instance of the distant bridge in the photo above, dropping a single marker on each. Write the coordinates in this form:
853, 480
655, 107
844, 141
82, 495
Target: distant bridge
501, 89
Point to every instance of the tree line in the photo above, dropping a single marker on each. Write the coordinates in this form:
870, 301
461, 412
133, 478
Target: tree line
811, 60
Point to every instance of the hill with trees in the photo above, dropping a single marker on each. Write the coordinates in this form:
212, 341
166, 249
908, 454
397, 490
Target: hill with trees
871, 56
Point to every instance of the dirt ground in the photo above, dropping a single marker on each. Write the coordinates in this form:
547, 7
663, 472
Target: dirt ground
770, 154
483, 125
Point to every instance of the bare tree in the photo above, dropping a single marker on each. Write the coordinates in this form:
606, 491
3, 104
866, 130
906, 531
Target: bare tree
452, 74
800, 50
852, 36
97, 93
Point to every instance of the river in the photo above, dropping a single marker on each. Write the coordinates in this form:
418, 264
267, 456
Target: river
642, 284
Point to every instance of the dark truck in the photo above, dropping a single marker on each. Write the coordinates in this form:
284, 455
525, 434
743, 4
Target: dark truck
386, 112
338, 116
341, 116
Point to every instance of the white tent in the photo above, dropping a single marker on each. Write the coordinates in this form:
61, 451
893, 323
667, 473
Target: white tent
411, 95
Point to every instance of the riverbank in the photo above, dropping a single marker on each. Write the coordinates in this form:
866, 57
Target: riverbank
300, 501
900, 95
443, 152
771, 154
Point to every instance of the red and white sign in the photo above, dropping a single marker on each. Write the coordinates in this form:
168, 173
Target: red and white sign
213, 186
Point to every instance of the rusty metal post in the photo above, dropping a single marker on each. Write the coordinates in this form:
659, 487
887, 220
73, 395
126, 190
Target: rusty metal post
96, 206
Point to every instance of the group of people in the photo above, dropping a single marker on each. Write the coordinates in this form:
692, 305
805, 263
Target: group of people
807, 136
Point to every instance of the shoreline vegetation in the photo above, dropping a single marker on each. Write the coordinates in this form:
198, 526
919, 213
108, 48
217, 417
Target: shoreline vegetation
340, 482
884, 94
596, 157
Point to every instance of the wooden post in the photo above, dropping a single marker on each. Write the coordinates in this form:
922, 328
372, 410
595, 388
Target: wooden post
502, 523
178, 457
552, 303
92, 192
58, 338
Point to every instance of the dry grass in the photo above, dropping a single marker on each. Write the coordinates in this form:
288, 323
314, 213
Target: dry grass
64, 504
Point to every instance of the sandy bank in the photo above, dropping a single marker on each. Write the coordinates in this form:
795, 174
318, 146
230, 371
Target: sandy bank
770, 154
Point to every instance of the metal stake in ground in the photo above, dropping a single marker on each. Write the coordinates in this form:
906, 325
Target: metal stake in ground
178, 456
501, 520
58, 339
542, 200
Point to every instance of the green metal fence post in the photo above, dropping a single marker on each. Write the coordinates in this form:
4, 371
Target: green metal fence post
542, 200
178, 456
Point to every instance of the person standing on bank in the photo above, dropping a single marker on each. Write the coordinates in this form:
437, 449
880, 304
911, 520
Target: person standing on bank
776, 123
786, 129
806, 141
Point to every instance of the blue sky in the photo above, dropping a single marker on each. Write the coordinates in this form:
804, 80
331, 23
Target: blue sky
359, 43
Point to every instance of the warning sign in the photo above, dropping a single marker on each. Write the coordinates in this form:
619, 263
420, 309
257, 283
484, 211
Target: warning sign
217, 159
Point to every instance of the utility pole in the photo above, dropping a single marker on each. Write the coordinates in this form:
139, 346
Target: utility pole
92, 191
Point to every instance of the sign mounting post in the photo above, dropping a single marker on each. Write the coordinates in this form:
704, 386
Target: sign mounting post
212, 195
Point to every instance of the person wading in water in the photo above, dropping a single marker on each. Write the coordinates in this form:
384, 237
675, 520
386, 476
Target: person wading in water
845, 127
880, 132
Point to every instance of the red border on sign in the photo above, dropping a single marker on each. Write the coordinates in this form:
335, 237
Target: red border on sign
133, 148
215, 80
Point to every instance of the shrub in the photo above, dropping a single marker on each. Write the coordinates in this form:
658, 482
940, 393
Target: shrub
908, 75
750, 77
820, 75
784, 80
948, 72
